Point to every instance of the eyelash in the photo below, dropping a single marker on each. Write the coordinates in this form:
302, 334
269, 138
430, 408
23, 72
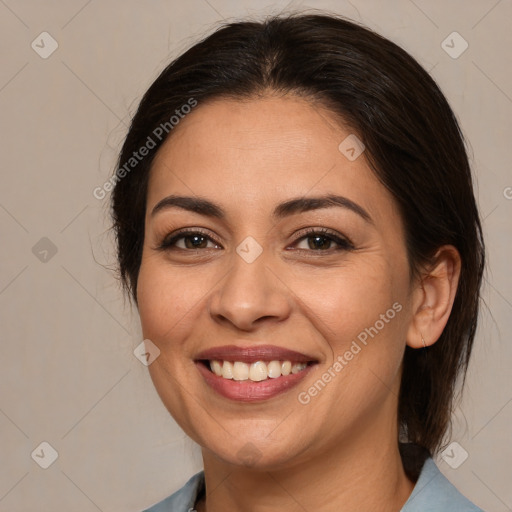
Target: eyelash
343, 243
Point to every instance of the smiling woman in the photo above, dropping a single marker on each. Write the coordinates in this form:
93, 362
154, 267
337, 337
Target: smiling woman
320, 183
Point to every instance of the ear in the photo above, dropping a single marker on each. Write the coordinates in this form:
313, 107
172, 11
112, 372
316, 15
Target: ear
433, 298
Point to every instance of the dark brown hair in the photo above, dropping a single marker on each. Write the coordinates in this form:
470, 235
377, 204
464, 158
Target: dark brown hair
413, 144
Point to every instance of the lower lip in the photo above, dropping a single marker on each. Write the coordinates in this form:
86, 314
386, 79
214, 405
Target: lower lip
248, 390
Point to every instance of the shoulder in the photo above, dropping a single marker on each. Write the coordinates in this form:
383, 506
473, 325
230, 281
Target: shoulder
184, 499
434, 493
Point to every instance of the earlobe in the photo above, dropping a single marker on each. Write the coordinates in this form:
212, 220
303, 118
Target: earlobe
433, 298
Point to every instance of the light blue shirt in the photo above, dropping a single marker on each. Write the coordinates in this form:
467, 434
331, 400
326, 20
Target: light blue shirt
432, 493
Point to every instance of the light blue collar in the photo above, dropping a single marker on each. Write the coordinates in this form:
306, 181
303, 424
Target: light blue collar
432, 493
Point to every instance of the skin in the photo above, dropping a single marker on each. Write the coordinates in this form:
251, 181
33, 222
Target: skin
339, 451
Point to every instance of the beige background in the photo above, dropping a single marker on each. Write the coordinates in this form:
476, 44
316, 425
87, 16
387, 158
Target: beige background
68, 375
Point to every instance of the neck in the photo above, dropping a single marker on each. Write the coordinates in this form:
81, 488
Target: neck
364, 473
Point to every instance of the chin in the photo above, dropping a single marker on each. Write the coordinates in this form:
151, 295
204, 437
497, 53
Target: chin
252, 453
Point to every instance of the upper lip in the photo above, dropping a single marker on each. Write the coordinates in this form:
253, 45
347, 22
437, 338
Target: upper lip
253, 353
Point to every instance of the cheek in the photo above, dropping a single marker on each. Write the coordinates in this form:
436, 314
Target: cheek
166, 299
361, 313
346, 301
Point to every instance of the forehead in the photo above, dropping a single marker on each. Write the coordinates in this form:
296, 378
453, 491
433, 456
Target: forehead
260, 151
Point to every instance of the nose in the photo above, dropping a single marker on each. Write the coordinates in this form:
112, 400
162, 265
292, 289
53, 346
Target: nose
249, 295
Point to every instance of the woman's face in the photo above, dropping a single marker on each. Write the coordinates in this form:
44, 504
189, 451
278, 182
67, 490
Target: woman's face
259, 282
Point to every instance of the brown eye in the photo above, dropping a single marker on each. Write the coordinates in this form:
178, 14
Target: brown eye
193, 241
322, 240
318, 242
188, 240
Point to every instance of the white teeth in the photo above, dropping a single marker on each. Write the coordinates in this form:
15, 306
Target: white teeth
297, 367
286, 368
274, 369
216, 367
257, 371
240, 371
227, 370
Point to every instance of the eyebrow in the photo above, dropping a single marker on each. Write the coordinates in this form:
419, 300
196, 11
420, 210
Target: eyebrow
293, 206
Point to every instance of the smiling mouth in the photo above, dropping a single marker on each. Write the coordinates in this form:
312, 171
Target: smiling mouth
255, 372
